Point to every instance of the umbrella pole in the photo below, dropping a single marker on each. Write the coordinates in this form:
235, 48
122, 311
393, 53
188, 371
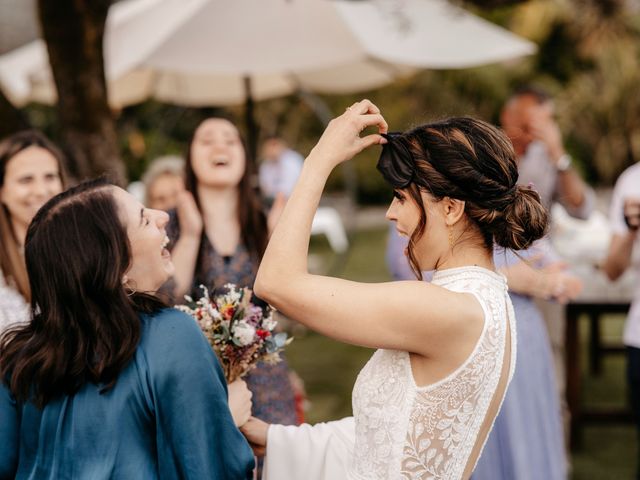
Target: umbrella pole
250, 121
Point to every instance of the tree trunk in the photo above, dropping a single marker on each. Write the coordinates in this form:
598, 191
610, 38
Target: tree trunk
73, 31
11, 119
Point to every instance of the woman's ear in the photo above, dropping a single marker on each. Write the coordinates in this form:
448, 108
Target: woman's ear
453, 210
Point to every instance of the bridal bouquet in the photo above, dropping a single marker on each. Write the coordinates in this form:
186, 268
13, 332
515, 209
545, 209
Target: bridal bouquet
241, 333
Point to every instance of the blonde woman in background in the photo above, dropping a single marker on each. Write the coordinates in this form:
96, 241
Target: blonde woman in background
164, 181
31, 172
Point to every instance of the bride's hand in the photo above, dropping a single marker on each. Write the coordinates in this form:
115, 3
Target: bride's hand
255, 430
341, 139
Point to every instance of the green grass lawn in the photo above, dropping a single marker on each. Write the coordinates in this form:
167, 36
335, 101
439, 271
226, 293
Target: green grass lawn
329, 369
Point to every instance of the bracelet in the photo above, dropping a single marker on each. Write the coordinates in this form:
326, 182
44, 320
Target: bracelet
564, 163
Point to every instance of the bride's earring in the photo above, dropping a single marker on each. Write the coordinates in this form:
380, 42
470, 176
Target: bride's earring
451, 241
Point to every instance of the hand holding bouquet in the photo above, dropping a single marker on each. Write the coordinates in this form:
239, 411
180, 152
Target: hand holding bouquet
241, 333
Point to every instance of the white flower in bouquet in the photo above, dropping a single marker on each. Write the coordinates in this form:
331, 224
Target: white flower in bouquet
269, 323
233, 295
243, 333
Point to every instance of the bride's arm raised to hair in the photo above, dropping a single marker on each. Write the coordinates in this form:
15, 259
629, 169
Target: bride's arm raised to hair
413, 316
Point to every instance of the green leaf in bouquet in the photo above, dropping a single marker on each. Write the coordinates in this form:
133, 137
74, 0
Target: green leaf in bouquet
238, 314
276, 342
225, 332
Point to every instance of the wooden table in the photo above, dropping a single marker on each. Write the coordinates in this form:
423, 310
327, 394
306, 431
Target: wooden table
599, 298
580, 414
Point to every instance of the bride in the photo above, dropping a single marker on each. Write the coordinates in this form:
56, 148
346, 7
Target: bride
425, 402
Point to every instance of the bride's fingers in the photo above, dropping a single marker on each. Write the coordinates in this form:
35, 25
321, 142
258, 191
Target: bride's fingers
352, 107
371, 120
363, 107
369, 140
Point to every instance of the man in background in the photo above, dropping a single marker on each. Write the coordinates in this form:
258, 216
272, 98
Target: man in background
279, 169
528, 120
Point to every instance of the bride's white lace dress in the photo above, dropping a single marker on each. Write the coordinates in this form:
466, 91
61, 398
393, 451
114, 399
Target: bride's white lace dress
400, 430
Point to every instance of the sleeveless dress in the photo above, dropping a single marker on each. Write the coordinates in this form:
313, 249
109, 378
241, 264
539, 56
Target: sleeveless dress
401, 430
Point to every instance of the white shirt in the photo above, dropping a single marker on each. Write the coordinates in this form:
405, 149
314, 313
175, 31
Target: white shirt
536, 167
628, 186
280, 176
13, 308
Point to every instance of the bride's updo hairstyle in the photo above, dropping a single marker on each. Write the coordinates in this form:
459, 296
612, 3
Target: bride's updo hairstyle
469, 160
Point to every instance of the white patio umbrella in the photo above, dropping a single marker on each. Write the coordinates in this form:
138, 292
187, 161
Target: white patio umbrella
202, 52
226, 52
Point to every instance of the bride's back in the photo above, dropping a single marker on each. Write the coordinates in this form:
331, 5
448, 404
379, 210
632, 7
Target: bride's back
408, 431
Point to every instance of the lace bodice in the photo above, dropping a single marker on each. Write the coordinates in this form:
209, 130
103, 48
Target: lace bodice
13, 308
408, 432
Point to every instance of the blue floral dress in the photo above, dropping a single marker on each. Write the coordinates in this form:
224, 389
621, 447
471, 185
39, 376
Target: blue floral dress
527, 441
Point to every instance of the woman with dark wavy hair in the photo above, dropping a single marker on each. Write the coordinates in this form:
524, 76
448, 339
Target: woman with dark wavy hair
426, 400
31, 172
105, 382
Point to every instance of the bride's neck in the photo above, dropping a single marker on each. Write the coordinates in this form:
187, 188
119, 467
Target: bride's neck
467, 256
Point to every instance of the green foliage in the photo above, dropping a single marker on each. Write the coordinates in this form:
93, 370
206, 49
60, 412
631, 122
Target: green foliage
558, 56
588, 58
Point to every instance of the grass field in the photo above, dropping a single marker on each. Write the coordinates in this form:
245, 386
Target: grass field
329, 370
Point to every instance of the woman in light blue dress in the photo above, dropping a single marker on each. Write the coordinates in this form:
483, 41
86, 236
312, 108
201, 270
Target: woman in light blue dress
527, 441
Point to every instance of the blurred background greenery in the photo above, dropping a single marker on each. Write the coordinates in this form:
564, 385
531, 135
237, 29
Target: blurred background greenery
589, 58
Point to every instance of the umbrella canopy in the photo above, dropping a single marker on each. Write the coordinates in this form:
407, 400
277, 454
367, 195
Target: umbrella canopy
201, 52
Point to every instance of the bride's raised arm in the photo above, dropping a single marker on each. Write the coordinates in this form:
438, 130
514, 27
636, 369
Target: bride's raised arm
412, 316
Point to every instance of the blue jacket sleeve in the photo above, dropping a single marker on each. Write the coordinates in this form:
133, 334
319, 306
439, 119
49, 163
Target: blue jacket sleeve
9, 441
196, 436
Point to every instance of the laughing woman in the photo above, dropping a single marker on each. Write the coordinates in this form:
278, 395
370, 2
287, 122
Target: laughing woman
219, 235
105, 382
425, 403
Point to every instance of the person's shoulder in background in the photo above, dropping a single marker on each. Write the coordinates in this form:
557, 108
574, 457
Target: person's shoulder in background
291, 157
630, 180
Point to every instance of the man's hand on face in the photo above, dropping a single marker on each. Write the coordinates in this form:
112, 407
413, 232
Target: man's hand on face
544, 128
